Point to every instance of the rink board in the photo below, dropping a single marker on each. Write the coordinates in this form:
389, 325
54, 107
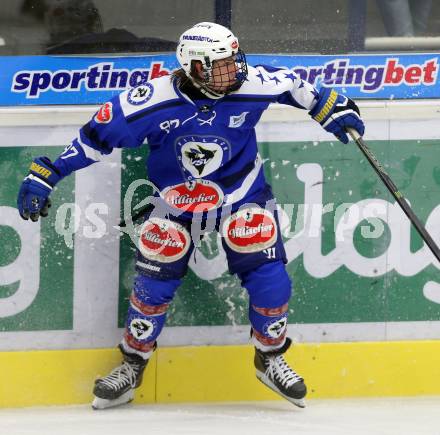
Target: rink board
225, 373
60, 290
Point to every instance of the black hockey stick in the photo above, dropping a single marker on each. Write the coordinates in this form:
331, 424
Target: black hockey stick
137, 215
395, 192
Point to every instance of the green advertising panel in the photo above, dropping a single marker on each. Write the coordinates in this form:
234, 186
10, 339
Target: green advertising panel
345, 268
34, 259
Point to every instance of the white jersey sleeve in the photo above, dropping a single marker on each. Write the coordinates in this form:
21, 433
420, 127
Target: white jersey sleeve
281, 86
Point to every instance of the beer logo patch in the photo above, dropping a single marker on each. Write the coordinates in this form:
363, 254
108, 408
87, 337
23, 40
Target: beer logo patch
140, 94
250, 230
194, 196
105, 114
163, 240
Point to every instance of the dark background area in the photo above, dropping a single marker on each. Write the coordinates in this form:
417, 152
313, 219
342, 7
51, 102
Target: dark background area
33, 27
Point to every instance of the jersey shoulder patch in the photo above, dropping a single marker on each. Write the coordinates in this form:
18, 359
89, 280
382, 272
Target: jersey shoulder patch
148, 94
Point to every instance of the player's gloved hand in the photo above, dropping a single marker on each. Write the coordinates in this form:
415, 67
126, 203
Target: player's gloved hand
336, 113
33, 198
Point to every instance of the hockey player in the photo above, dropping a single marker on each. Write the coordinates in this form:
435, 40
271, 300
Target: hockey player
203, 158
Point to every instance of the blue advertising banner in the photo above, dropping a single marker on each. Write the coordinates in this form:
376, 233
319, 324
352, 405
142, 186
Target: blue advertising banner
43, 80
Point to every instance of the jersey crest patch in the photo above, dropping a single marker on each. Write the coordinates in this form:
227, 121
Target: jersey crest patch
201, 155
140, 94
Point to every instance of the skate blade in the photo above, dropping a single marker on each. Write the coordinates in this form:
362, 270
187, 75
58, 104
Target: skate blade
300, 403
99, 403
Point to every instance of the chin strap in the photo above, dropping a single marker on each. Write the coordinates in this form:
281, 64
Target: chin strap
207, 91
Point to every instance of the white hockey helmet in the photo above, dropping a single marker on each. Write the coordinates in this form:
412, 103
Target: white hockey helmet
207, 42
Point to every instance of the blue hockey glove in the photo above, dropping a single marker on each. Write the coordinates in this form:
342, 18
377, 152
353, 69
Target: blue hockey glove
33, 198
336, 113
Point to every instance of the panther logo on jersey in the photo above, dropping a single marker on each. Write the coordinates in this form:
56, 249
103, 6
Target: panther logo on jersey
199, 156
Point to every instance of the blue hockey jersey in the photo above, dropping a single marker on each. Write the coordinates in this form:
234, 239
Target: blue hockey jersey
202, 153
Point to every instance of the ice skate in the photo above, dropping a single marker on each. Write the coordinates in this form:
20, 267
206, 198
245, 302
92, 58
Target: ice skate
273, 371
117, 388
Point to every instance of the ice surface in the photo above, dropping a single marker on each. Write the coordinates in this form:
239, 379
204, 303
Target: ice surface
397, 416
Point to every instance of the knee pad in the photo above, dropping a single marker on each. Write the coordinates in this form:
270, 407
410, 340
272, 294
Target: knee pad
146, 315
269, 288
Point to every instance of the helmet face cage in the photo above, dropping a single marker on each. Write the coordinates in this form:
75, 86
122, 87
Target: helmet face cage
207, 43
220, 77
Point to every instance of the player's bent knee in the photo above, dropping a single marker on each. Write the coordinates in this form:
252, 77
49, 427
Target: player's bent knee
154, 291
269, 285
